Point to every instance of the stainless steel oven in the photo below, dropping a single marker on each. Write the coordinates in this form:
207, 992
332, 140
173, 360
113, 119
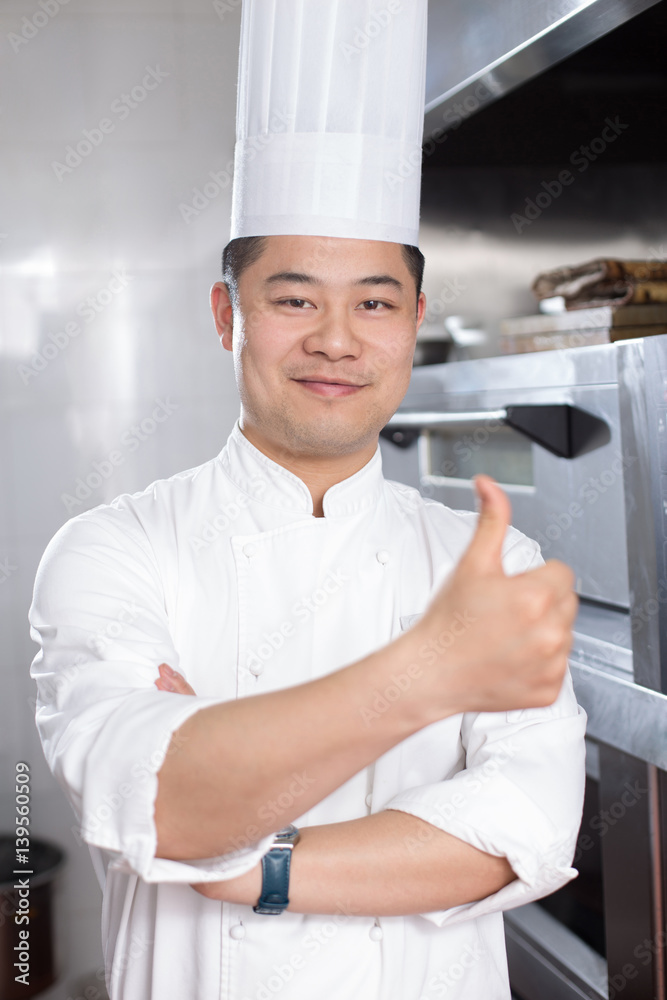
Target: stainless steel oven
578, 438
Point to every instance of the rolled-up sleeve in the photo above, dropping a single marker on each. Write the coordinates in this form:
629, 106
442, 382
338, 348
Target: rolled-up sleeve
99, 616
520, 795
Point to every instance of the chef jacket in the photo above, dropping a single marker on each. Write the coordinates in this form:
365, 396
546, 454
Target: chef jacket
224, 573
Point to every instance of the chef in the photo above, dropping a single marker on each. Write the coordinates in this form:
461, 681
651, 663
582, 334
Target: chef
317, 731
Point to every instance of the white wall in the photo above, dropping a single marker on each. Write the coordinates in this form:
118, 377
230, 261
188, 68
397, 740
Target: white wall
65, 406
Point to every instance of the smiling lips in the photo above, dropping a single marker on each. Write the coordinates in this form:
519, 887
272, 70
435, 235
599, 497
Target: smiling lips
329, 388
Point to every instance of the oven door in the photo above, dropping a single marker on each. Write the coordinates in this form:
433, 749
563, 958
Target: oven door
573, 506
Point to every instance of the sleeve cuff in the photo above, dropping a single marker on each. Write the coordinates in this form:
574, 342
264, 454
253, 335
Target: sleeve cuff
120, 785
517, 893
217, 869
492, 807
538, 874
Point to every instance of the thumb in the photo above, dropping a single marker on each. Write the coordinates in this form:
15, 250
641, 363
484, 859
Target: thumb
484, 554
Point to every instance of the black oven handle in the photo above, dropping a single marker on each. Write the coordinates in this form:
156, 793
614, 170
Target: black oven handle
562, 429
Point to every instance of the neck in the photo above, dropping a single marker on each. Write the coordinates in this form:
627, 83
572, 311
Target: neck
318, 472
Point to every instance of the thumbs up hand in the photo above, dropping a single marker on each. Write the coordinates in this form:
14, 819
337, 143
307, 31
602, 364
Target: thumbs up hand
513, 633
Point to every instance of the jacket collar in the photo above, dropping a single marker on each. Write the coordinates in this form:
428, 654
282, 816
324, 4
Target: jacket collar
272, 484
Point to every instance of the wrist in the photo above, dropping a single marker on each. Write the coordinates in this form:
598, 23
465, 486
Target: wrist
433, 669
401, 695
242, 890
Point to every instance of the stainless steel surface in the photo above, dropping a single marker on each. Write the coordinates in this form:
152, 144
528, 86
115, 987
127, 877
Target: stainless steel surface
640, 529
603, 639
628, 875
480, 50
548, 961
583, 366
623, 714
443, 419
654, 617
604, 512
657, 873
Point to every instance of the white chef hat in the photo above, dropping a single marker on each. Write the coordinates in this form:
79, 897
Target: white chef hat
330, 119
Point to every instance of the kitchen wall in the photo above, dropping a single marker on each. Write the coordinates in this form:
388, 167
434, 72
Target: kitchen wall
483, 252
117, 140
107, 345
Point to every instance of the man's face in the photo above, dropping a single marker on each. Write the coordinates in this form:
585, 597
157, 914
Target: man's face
314, 308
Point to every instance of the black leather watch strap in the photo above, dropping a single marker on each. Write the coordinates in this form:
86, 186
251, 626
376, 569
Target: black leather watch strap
275, 881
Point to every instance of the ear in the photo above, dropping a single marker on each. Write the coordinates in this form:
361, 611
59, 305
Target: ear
421, 309
223, 313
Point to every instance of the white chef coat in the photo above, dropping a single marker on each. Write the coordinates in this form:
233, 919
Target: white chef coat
224, 573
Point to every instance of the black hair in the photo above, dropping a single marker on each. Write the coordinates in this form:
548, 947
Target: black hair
245, 250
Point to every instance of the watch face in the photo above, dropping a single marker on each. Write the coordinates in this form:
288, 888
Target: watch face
288, 835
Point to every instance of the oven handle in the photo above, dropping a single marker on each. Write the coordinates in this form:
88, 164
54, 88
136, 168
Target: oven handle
563, 429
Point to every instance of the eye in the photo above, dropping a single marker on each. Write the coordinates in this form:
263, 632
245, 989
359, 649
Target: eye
371, 305
294, 303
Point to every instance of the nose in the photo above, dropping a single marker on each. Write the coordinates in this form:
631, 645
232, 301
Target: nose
333, 336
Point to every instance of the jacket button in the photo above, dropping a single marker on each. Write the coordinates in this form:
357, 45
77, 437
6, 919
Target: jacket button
237, 931
256, 667
383, 556
375, 933
249, 549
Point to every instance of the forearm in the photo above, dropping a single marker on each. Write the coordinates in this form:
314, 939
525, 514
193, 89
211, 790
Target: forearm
387, 864
246, 768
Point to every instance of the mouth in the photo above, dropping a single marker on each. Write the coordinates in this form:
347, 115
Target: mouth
326, 388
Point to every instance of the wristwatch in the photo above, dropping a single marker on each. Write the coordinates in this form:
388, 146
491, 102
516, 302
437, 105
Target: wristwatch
275, 872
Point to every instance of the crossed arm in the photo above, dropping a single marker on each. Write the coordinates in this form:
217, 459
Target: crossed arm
388, 864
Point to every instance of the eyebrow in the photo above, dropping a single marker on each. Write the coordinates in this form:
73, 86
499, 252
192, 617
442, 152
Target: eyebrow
292, 276
380, 279
296, 277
